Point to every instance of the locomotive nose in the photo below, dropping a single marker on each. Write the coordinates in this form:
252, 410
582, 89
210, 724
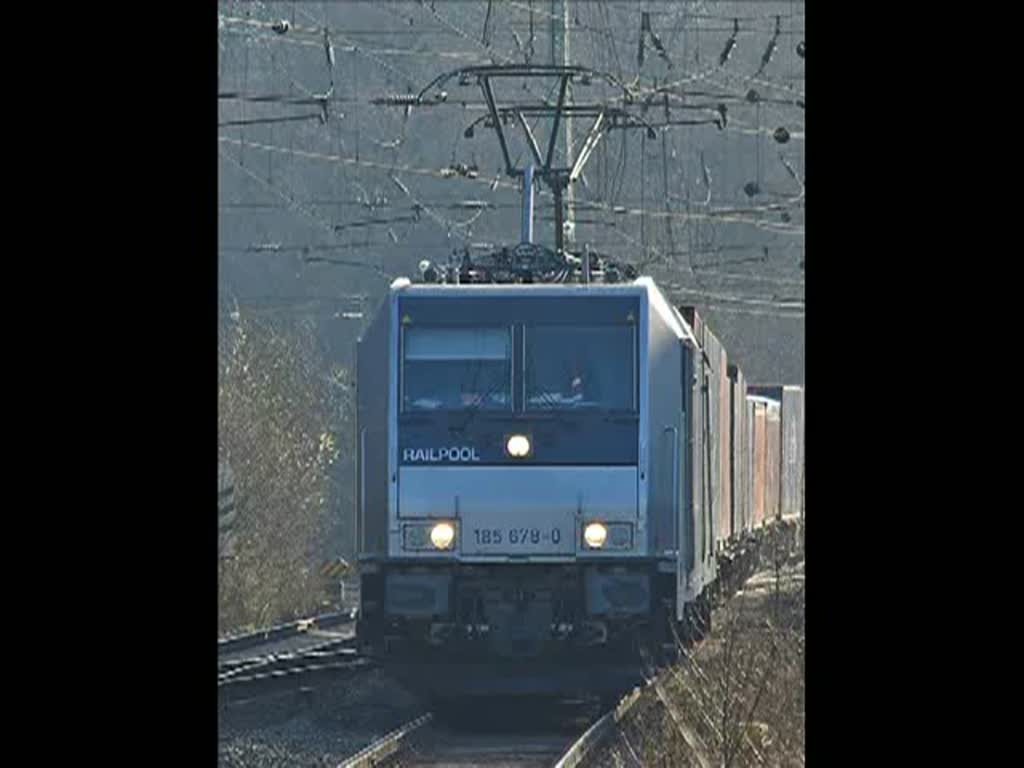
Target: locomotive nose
523, 511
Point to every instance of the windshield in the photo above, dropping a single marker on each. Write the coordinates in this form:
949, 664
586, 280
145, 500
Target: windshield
570, 367
455, 368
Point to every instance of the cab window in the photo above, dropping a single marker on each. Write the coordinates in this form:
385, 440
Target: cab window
456, 368
580, 367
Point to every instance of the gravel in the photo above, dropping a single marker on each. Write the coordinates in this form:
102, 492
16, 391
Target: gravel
320, 729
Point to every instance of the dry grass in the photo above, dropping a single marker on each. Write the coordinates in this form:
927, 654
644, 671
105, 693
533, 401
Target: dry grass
738, 698
282, 415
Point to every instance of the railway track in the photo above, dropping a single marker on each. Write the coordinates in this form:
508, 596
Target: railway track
427, 741
532, 741
231, 667
286, 672
283, 633
350, 708
298, 655
512, 736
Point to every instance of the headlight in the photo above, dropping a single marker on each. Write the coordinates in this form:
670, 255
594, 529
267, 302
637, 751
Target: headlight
442, 535
428, 536
608, 536
518, 446
595, 534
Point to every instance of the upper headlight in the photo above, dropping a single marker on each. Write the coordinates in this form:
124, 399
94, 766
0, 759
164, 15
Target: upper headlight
518, 446
442, 535
595, 535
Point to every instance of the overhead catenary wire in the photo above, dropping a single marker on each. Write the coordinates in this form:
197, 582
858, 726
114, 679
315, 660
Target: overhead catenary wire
737, 215
781, 210
711, 298
315, 32
322, 222
269, 120
596, 244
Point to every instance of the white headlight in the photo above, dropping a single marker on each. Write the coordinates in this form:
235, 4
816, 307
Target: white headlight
518, 446
442, 535
595, 534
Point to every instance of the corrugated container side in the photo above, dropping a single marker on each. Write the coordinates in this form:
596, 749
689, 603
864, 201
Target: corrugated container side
748, 463
792, 451
725, 516
773, 460
739, 486
744, 476
714, 435
698, 474
734, 458
716, 409
701, 433
759, 463
707, 445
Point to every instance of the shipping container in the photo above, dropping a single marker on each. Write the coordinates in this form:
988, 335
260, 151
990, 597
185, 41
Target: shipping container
773, 460
738, 460
725, 526
792, 451
758, 461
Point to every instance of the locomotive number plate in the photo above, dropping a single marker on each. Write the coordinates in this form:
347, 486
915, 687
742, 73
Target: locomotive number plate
517, 536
